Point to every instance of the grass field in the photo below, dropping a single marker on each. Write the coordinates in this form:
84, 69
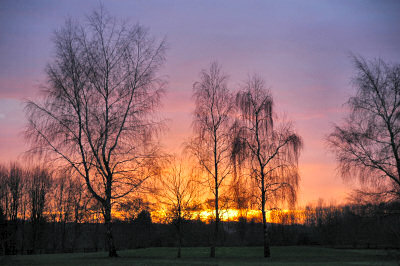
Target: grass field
296, 255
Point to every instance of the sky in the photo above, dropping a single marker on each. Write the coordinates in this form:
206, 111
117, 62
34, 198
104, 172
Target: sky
301, 48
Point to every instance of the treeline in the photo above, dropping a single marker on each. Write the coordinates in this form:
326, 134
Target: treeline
44, 211
353, 226
33, 197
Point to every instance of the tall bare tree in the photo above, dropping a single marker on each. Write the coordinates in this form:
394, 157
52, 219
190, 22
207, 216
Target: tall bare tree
367, 144
270, 149
212, 122
96, 114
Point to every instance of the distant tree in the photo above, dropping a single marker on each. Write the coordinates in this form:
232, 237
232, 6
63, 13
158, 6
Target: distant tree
65, 193
3, 210
24, 207
3, 232
367, 144
96, 113
4, 195
177, 191
57, 208
11, 195
15, 185
38, 187
79, 199
130, 208
212, 122
270, 149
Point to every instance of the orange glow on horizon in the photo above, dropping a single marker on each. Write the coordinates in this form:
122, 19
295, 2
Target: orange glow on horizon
233, 215
284, 216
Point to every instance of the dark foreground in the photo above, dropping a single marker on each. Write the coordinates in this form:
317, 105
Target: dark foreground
295, 255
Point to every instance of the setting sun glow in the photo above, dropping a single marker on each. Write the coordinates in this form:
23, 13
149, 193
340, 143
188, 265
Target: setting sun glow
233, 215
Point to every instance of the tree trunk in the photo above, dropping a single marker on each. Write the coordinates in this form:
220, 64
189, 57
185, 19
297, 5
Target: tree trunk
34, 230
112, 252
267, 252
179, 234
179, 249
212, 250
55, 240
63, 234
23, 235
215, 236
180, 242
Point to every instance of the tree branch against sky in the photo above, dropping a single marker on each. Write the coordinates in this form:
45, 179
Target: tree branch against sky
178, 192
96, 111
212, 141
270, 148
368, 141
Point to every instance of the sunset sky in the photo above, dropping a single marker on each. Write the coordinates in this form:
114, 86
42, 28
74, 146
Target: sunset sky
301, 49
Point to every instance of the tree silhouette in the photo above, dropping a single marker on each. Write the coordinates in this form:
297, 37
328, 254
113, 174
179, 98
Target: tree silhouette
212, 122
96, 112
177, 191
367, 143
12, 181
270, 149
38, 184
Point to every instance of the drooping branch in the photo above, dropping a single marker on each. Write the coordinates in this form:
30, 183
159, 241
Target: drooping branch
367, 143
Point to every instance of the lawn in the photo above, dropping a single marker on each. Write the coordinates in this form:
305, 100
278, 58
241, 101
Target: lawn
296, 255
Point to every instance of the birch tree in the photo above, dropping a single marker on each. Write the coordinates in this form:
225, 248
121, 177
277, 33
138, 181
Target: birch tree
96, 112
367, 143
212, 142
270, 148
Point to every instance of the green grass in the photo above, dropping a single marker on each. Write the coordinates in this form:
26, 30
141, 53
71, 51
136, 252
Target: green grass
242, 256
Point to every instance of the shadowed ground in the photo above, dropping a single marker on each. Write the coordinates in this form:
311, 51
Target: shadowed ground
225, 256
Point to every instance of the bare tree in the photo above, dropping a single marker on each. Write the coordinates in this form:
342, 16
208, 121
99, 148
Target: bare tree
3, 209
177, 191
24, 206
38, 186
4, 193
79, 199
15, 188
15, 185
240, 185
367, 143
11, 189
270, 149
212, 122
63, 196
96, 115
132, 206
